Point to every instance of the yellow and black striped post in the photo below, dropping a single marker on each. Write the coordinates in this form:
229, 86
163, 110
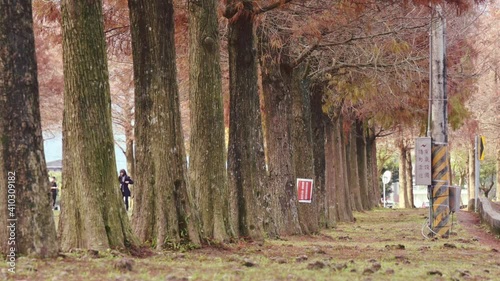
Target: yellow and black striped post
440, 207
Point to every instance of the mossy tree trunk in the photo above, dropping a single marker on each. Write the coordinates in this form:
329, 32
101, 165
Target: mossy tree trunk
278, 119
92, 212
163, 212
302, 147
246, 160
207, 150
24, 184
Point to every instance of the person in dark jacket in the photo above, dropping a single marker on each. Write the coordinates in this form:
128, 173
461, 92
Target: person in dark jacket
125, 180
53, 190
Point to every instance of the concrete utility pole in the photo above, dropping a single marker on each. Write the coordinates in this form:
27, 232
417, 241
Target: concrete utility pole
439, 208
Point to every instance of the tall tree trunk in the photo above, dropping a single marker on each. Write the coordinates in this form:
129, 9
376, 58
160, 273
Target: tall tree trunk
403, 179
25, 208
409, 180
129, 144
302, 147
344, 196
331, 175
246, 162
498, 176
163, 213
318, 120
362, 166
472, 173
353, 170
277, 107
207, 150
92, 212
371, 155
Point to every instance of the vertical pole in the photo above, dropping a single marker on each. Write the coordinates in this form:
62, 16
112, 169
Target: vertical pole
384, 194
476, 172
440, 223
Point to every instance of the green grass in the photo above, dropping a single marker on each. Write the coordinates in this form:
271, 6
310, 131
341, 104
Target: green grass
381, 245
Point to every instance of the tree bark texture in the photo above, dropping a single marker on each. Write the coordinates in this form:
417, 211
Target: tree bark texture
278, 120
498, 176
318, 119
403, 179
92, 212
207, 150
343, 198
246, 162
371, 155
302, 147
25, 205
409, 179
332, 184
366, 193
129, 146
472, 172
163, 213
353, 170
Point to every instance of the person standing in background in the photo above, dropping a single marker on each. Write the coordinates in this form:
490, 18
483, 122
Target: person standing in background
125, 180
53, 190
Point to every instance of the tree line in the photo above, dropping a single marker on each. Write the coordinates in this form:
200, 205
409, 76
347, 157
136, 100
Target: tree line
305, 101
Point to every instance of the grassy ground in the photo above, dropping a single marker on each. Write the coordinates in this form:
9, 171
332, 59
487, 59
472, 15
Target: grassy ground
383, 244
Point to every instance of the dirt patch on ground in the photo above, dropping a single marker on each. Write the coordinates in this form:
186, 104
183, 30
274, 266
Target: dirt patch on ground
471, 222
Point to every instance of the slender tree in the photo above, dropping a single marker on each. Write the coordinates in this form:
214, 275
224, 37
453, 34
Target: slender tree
207, 150
24, 187
92, 215
163, 212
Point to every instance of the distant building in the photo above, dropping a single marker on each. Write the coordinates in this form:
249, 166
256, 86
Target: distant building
54, 166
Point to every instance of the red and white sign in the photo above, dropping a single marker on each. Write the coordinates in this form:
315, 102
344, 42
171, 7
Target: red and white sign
304, 190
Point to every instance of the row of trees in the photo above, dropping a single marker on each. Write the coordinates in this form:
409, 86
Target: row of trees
305, 100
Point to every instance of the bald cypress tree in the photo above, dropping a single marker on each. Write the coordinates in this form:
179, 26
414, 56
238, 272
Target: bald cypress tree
163, 212
207, 150
93, 214
24, 187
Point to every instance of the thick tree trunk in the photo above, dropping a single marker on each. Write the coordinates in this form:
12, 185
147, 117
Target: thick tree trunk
207, 150
363, 166
318, 120
246, 162
25, 208
302, 147
92, 212
353, 170
163, 212
282, 185
344, 196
